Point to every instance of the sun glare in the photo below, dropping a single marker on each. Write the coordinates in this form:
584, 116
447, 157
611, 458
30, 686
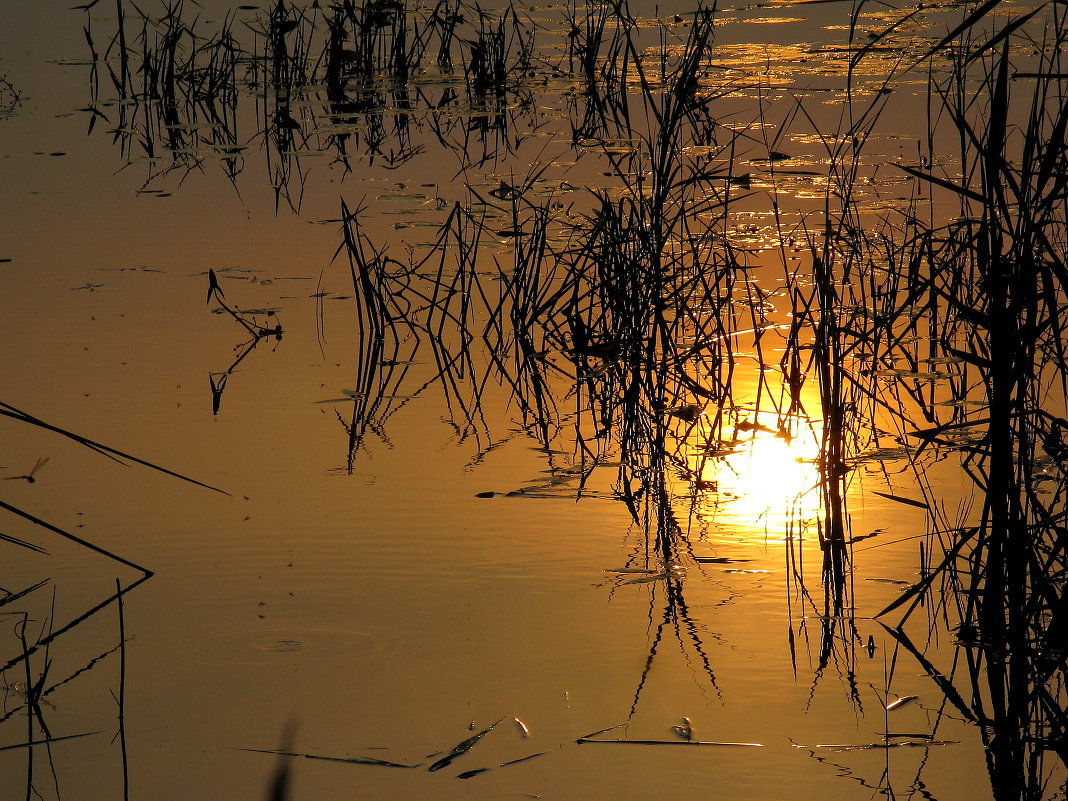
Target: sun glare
763, 480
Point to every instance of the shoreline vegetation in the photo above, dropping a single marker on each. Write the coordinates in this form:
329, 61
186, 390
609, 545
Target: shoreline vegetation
617, 304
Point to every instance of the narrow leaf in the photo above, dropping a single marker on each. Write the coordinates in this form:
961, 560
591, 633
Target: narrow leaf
900, 499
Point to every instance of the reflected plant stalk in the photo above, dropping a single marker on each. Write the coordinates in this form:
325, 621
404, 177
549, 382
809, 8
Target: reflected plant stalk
247, 321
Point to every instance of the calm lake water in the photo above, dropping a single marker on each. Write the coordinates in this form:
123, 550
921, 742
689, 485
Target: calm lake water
400, 549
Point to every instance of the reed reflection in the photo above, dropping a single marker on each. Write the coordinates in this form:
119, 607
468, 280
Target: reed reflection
349, 81
614, 323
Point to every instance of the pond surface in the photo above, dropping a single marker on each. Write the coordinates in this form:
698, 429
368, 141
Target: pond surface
510, 455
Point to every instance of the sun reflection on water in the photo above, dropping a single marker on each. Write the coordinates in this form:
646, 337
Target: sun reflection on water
764, 479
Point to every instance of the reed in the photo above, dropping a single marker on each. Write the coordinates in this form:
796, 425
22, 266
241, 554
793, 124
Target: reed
987, 292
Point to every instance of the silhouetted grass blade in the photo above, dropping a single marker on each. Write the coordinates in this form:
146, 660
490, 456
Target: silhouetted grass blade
467, 774
583, 740
957, 189
901, 499
22, 543
47, 741
383, 763
913, 592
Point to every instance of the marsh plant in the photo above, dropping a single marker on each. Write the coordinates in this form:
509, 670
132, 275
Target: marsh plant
934, 329
619, 308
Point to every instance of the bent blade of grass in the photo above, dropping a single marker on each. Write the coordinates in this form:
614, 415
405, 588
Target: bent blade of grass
467, 774
901, 499
1004, 33
462, 748
584, 740
942, 182
969, 22
944, 684
22, 593
21, 544
72, 537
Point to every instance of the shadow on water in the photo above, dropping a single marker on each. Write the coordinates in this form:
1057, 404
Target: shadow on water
617, 323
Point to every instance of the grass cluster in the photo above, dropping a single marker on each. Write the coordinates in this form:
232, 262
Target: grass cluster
618, 323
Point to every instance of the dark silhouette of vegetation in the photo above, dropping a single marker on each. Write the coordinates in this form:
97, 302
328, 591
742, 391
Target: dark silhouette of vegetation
616, 323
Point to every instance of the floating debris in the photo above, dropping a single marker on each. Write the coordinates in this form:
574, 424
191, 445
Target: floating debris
877, 746
900, 702
584, 740
47, 740
684, 729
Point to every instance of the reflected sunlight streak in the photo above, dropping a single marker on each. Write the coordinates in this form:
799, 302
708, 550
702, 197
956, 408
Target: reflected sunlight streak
765, 482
